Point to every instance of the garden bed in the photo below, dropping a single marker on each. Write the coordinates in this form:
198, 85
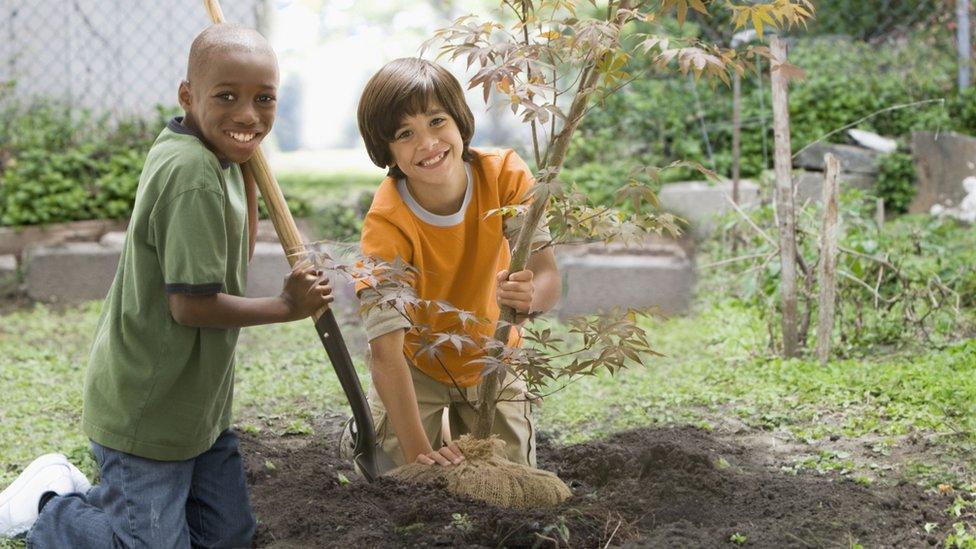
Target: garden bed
650, 487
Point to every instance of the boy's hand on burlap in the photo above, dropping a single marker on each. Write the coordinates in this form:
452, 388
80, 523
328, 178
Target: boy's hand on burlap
305, 291
447, 455
515, 290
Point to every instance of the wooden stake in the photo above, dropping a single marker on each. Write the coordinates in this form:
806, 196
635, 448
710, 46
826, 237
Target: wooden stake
828, 259
736, 144
783, 164
736, 132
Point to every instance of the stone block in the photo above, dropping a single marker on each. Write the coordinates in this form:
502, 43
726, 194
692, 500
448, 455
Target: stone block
70, 273
852, 159
9, 275
267, 233
598, 280
809, 185
269, 267
702, 203
15, 240
943, 161
114, 239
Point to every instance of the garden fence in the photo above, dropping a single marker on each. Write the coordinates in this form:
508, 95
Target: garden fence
109, 56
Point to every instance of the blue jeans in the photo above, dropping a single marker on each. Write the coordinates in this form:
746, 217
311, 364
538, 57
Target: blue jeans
200, 502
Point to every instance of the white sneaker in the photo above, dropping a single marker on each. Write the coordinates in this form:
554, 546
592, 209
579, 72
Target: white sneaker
80, 481
18, 503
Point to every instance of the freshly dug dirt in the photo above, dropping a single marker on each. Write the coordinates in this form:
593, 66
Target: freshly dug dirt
680, 487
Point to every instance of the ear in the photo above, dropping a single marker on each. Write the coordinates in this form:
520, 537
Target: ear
185, 97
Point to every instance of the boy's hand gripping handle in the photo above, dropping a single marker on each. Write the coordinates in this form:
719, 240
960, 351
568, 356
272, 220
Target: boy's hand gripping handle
325, 322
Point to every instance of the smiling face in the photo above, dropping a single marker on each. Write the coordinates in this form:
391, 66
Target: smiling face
232, 101
427, 147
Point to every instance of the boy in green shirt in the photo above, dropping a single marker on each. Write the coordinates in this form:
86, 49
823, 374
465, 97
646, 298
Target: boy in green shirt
158, 393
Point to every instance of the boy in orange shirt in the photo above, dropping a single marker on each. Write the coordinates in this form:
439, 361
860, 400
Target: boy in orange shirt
430, 212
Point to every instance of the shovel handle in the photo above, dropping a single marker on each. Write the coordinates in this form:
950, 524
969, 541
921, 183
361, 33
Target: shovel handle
325, 322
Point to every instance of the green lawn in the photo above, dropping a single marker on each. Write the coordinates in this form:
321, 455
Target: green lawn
853, 416
715, 375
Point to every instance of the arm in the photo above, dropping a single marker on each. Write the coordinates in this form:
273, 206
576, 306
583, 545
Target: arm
536, 289
391, 377
305, 291
251, 192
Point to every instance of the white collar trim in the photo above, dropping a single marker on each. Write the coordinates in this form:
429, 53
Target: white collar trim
431, 218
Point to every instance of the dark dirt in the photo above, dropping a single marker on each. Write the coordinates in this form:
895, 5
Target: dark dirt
654, 487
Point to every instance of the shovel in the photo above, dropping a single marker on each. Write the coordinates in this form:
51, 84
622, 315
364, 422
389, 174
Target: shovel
325, 323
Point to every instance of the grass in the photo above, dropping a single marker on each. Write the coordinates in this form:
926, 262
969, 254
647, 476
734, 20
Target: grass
283, 381
321, 188
859, 417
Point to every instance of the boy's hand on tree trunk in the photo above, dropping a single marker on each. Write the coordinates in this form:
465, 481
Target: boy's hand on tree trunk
516, 290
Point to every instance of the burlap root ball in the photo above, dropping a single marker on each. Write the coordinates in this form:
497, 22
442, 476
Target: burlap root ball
486, 475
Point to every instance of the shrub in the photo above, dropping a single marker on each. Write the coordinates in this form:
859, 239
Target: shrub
655, 121
61, 165
896, 181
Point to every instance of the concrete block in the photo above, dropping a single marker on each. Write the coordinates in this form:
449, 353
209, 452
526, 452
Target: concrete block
702, 203
943, 162
9, 275
600, 280
70, 273
114, 239
269, 267
809, 185
852, 159
16, 240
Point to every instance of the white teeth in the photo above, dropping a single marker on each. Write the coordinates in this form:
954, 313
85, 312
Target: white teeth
241, 137
434, 160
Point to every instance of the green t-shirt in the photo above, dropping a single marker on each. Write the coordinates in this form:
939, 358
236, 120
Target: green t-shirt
155, 388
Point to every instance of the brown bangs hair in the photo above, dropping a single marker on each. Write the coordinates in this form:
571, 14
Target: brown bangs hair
406, 87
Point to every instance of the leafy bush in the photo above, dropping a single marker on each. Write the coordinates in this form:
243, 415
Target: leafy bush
910, 281
61, 165
896, 181
655, 120
600, 182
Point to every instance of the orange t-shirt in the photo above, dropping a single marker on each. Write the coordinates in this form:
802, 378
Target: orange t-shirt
456, 258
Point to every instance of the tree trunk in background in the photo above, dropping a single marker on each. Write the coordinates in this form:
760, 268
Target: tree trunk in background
736, 141
828, 259
783, 163
963, 44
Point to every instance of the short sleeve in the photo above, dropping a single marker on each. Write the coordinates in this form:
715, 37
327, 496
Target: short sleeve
382, 241
190, 237
515, 180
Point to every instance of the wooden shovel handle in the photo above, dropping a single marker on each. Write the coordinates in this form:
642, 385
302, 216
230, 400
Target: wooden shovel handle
281, 218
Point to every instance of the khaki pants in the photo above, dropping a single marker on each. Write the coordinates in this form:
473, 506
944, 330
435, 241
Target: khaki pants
513, 419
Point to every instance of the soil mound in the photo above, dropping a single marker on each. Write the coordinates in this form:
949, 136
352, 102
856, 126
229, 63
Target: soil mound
644, 488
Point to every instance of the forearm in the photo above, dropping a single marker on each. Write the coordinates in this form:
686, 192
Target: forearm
392, 380
548, 290
548, 283
228, 311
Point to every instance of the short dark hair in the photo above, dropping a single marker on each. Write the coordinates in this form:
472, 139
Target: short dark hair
405, 87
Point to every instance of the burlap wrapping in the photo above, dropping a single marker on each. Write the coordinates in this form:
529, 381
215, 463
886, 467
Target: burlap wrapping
486, 475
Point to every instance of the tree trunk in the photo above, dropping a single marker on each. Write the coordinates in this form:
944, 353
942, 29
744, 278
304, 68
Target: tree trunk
556, 155
488, 392
963, 45
736, 132
783, 164
828, 259
736, 143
